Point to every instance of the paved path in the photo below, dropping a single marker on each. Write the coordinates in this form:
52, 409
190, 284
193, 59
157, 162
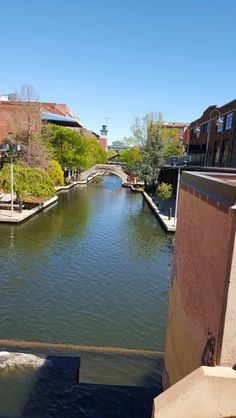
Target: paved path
167, 223
5, 215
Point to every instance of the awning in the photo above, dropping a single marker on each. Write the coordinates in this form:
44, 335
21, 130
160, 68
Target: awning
59, 120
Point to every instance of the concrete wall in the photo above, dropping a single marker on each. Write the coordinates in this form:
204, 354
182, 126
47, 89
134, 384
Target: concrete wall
207, 392
201, 320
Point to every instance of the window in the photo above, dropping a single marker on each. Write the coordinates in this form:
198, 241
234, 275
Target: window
217, 152
229, 121
221, 127
204, 128
225, 153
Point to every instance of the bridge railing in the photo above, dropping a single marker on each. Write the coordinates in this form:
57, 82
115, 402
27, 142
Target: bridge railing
105, 167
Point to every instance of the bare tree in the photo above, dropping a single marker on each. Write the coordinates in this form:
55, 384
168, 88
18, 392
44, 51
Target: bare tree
33, 152
25, 117
25, 123
141, 127
28, 94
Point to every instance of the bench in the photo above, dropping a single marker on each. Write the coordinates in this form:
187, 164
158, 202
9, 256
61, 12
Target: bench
6, 205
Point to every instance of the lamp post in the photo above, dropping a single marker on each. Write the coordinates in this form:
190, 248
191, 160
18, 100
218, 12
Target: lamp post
11, 150
196, 129
181, 161
219, 122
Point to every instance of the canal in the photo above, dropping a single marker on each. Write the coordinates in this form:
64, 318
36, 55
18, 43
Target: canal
94, 269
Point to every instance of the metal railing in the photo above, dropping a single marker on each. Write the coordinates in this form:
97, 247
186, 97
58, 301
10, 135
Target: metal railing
197, 159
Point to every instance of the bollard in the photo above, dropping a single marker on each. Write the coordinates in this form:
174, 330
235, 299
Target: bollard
170, 214
20, 206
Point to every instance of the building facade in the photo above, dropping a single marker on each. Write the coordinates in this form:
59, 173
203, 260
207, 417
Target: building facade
174, 130
118, 146
211, 138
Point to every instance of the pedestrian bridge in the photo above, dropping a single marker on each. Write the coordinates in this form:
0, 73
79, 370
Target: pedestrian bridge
102, 169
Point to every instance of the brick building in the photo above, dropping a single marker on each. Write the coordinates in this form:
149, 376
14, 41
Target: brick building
17, 116
213, 145
174, 130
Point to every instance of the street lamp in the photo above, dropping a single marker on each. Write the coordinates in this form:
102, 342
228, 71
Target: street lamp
196, 130
181, 161
11, 150
219, 122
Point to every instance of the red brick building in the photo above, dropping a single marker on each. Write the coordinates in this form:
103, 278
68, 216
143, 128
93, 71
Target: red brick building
214, 145
174, 130
18, 116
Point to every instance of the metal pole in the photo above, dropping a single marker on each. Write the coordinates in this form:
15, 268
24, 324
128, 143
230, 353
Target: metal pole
177, 196
12, 182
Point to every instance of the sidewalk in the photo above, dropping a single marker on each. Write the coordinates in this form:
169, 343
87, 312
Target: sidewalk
167, 223
5, 215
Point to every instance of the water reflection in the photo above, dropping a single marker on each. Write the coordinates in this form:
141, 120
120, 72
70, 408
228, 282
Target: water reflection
93, 269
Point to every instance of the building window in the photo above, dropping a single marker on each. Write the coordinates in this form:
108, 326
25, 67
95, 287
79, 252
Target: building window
217, 154
225, 153
229, 121
221, 127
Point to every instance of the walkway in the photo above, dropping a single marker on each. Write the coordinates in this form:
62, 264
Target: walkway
5, 214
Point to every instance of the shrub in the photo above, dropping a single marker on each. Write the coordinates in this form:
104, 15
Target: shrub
165, 190
27, 181
56, 173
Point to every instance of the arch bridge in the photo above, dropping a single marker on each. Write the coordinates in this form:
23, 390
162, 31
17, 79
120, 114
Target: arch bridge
101, 169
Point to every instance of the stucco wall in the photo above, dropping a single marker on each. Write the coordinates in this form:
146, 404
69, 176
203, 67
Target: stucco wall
201, 269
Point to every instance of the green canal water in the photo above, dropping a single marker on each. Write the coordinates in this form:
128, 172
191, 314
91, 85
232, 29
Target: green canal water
94, 269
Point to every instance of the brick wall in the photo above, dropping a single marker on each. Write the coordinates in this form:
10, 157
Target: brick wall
17, 117
200, 282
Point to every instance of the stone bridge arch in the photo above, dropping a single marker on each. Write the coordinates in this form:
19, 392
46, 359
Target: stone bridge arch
102, 169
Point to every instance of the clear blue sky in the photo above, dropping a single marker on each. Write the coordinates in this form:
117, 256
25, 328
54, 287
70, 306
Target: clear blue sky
121, 58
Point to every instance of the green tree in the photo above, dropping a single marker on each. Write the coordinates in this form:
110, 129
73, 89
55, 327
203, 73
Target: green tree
152, 154
111, 153
173, 148
67, 145
95, 153
131, 157
71, 149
